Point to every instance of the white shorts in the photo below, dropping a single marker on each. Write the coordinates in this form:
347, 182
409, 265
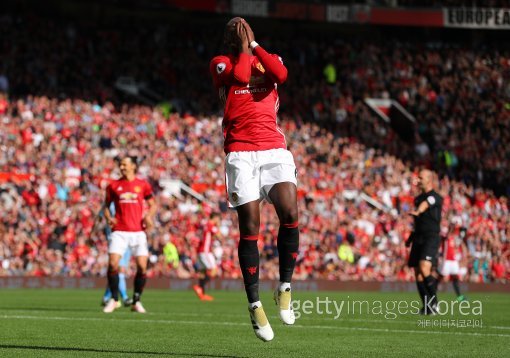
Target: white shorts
206, 261
251, 175
450, 267
136, 241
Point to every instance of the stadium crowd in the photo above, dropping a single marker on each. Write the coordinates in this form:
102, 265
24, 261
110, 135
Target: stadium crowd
60, 135
67, 150
459, 93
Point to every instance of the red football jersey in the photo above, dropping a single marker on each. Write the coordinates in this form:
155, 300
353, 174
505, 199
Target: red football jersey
128, 197
449, 248
247, 87
206, 242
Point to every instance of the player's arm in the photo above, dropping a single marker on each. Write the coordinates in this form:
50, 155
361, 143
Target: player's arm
99, 215
221, 70
149, 217
242, 69
273, 64
148, 220
424, 205
107, 213
224, 71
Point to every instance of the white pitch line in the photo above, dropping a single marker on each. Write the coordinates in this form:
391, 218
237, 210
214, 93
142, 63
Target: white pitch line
477, 334
500, 327
329, 319
362, 320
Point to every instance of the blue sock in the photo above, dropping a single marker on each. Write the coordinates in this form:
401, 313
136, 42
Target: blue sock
122, 286
107, 294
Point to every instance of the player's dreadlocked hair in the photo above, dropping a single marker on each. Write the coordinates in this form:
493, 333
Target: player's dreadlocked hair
230, 38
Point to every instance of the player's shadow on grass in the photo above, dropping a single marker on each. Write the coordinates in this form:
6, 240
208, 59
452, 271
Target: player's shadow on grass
95, 350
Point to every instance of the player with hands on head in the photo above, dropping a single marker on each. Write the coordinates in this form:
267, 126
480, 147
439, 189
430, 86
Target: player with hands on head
258, 165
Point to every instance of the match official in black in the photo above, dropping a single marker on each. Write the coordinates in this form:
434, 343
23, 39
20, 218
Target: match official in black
426, 240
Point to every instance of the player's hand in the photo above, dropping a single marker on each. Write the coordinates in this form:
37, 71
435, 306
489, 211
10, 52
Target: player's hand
148, 223
111, 222
243, 36
249, 31
414, 213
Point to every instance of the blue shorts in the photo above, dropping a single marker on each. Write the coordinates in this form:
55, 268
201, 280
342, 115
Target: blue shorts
124, 261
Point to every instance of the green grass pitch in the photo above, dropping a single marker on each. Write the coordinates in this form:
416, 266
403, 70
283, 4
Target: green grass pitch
69, 323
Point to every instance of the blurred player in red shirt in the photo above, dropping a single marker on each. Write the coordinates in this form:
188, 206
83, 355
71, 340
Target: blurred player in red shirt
206, 260
258, 165
498, 270
128, 194
451, 253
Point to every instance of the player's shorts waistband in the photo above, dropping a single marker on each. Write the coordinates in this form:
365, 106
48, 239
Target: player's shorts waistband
128, 232
244, 147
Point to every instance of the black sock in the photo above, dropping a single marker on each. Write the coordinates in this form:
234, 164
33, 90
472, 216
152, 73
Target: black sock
288, 246
140, 280
436, 282
203, 281
430, 286
422, 290
455, 283
249, 262
113, 283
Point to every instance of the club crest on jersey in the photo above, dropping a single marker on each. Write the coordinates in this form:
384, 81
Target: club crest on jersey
137, 189
260, 67
220, 67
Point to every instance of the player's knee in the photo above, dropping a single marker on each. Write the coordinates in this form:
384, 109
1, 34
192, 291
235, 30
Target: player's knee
113, 269
289, 216
425, 270
113, 265
251, 228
